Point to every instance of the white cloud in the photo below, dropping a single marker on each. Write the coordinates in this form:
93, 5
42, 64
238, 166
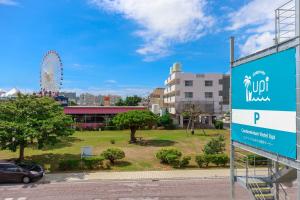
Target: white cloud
256, 19
257, 42
122, 91
8, 2
79, 67
111, 81
162, 23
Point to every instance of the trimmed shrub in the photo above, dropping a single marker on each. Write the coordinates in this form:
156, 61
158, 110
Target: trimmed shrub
112, 141
220, 159
113, 154
215, 145
173, 160
185, 161
200, 160
217, 159
172, 153
93, 162
70, 164
173, 157
203, 160
110, 128
219, 124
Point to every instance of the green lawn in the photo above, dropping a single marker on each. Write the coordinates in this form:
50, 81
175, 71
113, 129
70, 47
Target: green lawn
138, 157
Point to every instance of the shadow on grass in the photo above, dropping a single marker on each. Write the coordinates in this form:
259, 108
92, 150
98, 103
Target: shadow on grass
122, 163
62, 143
157, 143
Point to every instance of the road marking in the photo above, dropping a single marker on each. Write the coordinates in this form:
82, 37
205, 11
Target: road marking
20, 198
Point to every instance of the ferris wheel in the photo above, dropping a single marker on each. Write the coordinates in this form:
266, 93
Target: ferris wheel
51, 76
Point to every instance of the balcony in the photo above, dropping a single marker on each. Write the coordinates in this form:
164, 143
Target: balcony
170, 90
169, 100
170, 79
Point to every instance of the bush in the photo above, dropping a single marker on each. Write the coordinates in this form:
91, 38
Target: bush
215, 145
173, 160
173, 157
220, 159
166, 121
216, 159
203, 160
113, 154
219, 124
93, 162
70, 164
185, 161
110, 128
112, 141
172, 153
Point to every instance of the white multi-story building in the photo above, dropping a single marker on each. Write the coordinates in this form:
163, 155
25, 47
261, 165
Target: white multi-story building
209, 91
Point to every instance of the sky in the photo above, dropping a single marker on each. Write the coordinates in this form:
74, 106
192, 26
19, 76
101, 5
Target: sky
126, 47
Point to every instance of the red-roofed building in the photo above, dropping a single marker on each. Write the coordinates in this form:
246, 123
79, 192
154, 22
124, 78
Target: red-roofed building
95, 117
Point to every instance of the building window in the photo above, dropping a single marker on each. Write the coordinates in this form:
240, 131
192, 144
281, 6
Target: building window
208, 95
188, 95
208, 83
220, 93
188, 83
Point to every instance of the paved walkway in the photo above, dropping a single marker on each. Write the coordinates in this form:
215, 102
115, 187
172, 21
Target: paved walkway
139, 175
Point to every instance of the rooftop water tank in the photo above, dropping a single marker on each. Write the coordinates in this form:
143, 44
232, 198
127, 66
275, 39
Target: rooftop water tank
176, 67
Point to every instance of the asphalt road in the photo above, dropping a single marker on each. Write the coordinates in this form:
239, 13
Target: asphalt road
207, 189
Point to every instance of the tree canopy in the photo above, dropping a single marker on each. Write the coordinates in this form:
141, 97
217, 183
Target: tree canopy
32, 120
129, 101
135, 119
166, 121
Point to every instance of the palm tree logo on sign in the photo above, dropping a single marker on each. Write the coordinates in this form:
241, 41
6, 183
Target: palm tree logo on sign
257, 87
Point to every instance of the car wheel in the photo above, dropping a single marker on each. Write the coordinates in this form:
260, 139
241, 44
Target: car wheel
26, 179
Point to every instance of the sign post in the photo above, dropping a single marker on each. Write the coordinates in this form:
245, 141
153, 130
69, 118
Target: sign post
232, 160
297, 13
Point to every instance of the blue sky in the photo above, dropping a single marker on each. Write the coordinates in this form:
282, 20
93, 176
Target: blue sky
126, 46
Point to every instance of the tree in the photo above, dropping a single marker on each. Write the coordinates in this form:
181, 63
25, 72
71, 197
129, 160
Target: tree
135, 119
133, 100
129, 101
113, 154
32, 120
120, 102
215, 145
166, 121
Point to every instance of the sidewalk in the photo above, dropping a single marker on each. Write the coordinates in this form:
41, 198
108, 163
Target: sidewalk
140, 175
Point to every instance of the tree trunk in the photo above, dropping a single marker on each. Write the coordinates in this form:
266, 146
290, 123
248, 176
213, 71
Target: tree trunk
132, 135
21, 154
193, 127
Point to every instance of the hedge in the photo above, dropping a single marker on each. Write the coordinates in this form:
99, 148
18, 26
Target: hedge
217, 159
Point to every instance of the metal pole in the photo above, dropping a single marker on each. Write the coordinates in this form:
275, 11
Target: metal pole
276, 185
297, 10
232, 149
276, 28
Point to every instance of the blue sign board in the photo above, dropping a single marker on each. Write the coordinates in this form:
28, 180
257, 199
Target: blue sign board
264, 103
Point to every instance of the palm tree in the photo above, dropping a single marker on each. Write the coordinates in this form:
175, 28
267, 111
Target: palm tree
247, 83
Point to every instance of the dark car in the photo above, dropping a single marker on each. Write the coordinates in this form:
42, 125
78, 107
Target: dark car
21, 173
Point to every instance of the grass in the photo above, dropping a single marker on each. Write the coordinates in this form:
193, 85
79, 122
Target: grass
138, 157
